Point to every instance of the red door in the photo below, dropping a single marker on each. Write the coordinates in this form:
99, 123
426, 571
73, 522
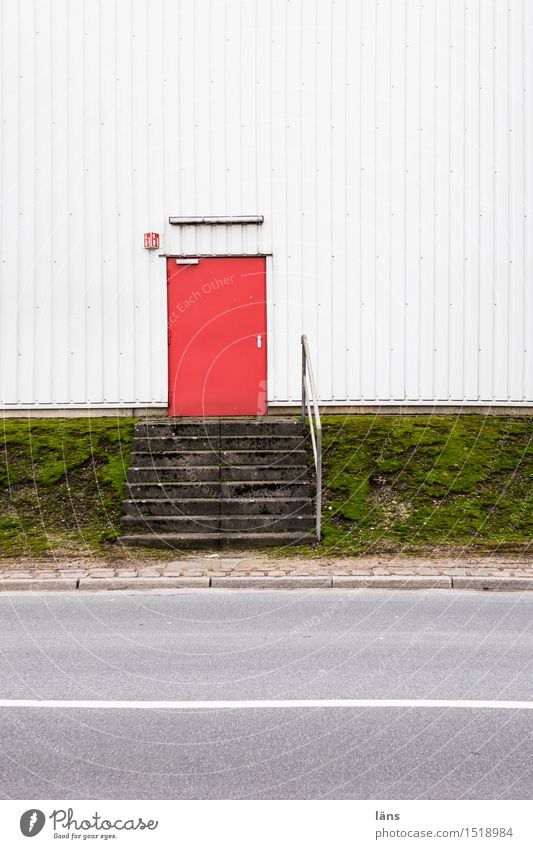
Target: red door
217, 337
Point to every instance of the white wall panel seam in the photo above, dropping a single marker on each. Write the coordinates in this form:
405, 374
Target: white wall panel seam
4, 303
404, 208
118, 265
494, 203
347, 271
478, 230
527, 173
435, 212
390, 212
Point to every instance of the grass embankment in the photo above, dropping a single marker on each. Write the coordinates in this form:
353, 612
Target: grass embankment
62, 485
412, 483
392, 484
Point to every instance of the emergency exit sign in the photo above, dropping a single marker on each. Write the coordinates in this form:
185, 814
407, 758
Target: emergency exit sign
151, 240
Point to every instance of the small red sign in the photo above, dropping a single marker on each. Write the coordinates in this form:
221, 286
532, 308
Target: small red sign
151, 240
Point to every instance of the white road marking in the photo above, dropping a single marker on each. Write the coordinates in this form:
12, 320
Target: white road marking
265, 704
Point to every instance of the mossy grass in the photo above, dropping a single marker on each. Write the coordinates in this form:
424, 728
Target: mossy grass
62, 485
395, 484
427, 483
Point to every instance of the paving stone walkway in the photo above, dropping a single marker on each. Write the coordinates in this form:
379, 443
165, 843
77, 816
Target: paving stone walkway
243, 565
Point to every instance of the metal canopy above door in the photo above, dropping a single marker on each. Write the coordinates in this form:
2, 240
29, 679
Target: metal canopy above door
197, 220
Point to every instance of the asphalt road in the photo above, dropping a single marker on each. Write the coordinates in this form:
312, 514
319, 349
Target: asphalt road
278, 646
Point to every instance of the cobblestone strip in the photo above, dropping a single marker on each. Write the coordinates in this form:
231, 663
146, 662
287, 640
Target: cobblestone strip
464, 573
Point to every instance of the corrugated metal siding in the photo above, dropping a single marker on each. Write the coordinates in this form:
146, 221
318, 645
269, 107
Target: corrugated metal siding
388, 145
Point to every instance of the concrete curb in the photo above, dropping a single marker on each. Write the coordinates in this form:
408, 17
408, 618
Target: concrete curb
491, 583
298, 582
393, 582
143, 583
17, 584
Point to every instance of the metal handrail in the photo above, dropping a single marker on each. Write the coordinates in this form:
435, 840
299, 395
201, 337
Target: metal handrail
310, 406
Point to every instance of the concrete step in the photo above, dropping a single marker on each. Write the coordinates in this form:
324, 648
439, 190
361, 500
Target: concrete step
283, 474
192, 541
174, 459
168, 524
263, 427
264, 489
215, 507
210, 489
270, 458
212, 524
286, 444
176, 474
156, 444
224, 427
175, 427
169, 459
171, 490
251, 524
231, 541
167, 507
185, 474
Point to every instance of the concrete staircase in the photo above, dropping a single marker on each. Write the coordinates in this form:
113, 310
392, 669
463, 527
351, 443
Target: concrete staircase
218, 483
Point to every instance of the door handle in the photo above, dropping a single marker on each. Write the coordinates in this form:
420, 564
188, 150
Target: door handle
259, 341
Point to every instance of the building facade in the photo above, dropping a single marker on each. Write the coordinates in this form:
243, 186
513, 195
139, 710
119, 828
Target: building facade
372, 158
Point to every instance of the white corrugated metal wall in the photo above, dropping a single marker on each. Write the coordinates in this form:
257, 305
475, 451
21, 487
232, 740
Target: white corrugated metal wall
388, 143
